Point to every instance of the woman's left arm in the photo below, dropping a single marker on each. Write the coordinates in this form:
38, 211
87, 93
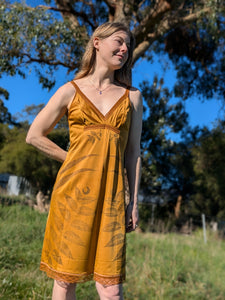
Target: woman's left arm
133, 159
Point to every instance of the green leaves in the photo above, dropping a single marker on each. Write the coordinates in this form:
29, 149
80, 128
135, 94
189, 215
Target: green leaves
167, 168
16, 157
209, 161
35, 35
5, 116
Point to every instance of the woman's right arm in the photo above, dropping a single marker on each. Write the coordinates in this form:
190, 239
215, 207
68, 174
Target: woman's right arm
46, 121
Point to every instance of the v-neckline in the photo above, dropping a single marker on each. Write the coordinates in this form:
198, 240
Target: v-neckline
94, 107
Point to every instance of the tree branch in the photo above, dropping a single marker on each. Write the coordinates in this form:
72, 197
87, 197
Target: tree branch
164, 26
141, 49
72, 15
71, 66
119, 15
111, 5
67, 11
152, 18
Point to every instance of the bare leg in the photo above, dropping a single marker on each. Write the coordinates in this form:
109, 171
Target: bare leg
63, 291
110, 292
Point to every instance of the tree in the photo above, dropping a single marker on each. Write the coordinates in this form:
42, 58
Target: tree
54, 34
21, 159
159, 171
209, 160
5, 116
167, 168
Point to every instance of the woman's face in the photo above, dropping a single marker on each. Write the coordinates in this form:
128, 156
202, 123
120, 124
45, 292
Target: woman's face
113, 50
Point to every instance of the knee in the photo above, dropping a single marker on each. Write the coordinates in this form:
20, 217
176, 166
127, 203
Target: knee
63, 288
112, 292
65, 285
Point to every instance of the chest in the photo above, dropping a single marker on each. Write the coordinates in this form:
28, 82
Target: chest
103, 101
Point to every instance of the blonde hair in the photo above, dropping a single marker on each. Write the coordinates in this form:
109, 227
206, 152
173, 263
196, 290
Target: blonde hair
105, 30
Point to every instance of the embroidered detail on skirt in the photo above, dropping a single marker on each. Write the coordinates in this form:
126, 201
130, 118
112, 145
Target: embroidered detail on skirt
109, 280
73, 278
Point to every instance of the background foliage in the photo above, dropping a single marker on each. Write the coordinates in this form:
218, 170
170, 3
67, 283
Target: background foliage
190, 34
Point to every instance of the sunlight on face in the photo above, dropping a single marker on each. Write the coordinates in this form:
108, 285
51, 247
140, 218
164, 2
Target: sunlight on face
121, 37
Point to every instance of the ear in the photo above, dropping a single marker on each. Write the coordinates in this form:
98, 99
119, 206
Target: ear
96, 41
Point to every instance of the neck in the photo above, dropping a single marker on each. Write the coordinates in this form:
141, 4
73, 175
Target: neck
101, 78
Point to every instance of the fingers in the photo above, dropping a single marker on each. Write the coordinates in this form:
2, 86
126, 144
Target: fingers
135, 226
131, 226
128, 215
131, 218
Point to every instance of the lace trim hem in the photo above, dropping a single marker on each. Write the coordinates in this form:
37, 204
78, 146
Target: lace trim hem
109, 280
73, 278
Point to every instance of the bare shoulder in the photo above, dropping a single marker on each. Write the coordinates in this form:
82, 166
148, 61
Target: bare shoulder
135, 97
63, 96
67, 91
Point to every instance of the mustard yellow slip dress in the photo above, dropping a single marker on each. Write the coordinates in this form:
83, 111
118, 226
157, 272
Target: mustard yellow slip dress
85, 231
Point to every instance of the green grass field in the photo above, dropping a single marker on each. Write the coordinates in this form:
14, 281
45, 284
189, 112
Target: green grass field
158, 266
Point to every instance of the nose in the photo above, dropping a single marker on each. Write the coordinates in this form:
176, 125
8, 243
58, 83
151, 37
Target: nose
124, 47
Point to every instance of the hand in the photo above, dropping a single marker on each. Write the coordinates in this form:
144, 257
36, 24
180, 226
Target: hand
132, 217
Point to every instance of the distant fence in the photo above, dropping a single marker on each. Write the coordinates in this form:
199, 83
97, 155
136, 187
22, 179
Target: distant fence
185, 224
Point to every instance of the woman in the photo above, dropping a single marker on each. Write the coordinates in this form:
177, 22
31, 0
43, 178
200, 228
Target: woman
86, 226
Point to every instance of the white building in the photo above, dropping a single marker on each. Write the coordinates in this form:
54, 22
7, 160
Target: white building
15, 185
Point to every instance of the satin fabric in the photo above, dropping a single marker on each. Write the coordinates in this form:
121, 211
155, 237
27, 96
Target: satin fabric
85, 233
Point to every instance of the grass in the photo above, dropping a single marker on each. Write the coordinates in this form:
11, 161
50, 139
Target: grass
158, 266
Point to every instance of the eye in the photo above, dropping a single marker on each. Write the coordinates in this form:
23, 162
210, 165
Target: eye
119, 42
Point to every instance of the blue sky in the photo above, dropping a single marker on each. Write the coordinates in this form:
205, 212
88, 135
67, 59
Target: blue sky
28, 91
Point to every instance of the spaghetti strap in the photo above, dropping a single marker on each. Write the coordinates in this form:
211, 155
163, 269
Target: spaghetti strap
74, 84
127, 91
